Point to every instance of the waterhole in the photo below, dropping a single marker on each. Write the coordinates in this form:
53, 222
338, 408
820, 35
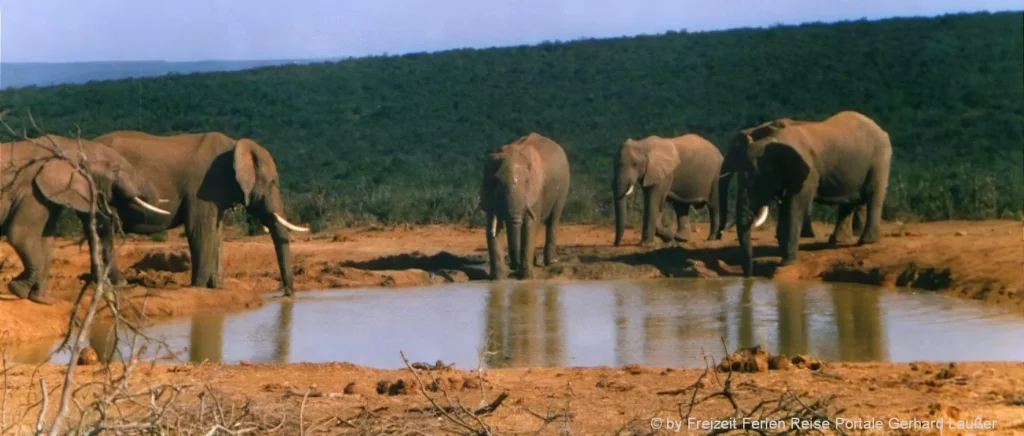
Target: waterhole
666, 322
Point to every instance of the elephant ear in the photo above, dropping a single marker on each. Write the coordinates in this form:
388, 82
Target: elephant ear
662, 160
736, 154
245, 168
61, 183
791, 167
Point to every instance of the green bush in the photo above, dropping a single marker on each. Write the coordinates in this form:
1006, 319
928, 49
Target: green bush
401, 138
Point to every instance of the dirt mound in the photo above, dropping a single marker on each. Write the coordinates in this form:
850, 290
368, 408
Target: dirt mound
757, 359
164, 260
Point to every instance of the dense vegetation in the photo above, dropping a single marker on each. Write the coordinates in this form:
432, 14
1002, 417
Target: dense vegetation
400, 139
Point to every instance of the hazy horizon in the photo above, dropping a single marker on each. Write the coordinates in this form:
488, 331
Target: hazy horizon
215, 30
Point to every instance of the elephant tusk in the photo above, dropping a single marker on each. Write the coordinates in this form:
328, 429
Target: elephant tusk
628, 191
762, 215
265, 229
150, 207
163, 200
494, 226
725, 175
289, 225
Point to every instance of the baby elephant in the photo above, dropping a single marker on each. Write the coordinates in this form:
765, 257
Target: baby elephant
524, 182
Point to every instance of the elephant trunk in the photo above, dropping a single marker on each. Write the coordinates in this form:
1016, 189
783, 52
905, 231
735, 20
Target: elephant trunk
514, 233
273, 219
621, 189
744, 224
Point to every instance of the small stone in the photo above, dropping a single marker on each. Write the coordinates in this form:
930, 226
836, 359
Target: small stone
960, 233
88, 356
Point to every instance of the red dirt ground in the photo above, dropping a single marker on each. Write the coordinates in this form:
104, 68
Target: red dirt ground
981, 260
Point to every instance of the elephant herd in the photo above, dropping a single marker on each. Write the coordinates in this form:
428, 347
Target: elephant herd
155, 183
840, 161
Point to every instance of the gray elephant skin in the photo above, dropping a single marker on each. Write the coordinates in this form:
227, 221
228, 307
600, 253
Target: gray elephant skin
841, 161
524, 183
35, 186
200, 176
683, 170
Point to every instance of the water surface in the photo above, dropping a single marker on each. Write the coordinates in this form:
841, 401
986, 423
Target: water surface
665, 322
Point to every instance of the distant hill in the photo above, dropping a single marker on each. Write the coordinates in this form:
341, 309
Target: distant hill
401, 138
20, 74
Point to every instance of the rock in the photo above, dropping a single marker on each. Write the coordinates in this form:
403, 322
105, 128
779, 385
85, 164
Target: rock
164, 260
780, 362
809, 362
753, 359
960, 233
88, 356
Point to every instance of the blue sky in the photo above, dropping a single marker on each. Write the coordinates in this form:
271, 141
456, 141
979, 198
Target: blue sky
179, 30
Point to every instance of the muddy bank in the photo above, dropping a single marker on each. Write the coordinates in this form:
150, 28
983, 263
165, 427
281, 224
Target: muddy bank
980, 260
341, 398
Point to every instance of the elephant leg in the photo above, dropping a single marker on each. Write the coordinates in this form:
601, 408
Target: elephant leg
781, 226
713, 231
514, 235
682, 222
551, 234
105, 233
842, 231
859, 219
807, 230
528, 245
873, 225
34, 249
651, 213
493, 248
203, 244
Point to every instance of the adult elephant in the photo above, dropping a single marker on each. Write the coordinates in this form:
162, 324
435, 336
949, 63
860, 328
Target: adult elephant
36, 184
524, 182
683, 171
200, 176
841, 161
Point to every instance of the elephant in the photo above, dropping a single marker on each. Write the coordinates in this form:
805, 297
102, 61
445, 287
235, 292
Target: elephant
524, 182
683, 170
37, 185
200, 176
840, 161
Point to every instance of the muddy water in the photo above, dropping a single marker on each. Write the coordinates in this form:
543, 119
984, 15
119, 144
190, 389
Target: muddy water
657, 322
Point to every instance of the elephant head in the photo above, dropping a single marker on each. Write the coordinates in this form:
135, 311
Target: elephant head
768, 165
61, 182
258, 179
649, 161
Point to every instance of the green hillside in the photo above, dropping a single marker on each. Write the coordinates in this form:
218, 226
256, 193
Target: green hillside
400, 139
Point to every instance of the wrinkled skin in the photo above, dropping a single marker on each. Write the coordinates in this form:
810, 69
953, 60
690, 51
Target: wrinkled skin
683, 171
524, 183
201, 175
842, 161
35, 187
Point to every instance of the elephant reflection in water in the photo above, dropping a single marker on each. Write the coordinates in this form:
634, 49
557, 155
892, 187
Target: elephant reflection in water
518, 332
858, 318
793, 328
677, 319
206, 338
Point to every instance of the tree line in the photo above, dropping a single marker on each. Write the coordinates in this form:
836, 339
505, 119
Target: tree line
400, 139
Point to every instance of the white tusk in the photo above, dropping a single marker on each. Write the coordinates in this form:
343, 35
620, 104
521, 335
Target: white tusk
629, 191
724, 175
150, 206
163, 200
494, 226
762, 215
289, 225
265, 229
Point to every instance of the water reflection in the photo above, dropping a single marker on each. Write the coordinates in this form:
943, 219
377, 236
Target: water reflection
657, 322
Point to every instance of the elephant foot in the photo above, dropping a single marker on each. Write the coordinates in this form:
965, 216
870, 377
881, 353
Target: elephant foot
786, 262
21, 288
681, 237
286, 291
40, 297
647, 242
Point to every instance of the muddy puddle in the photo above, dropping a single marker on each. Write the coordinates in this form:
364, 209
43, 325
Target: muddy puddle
665, 322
